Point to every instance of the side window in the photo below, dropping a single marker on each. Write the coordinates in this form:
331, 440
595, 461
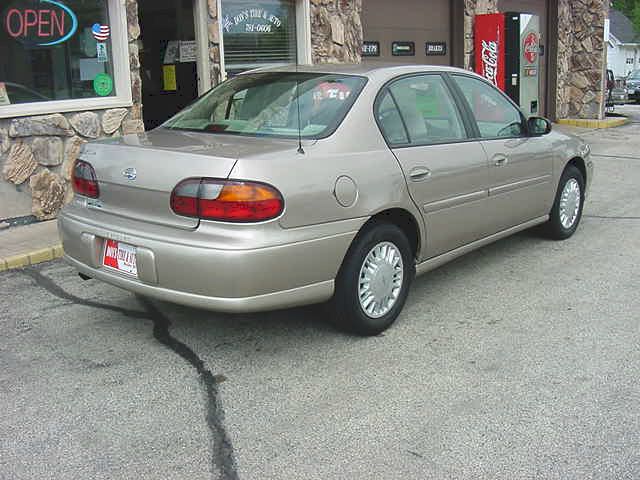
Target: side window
390, 122
495, 115
428, 110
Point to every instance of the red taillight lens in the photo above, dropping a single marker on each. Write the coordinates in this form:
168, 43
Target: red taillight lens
84, 179
226, 200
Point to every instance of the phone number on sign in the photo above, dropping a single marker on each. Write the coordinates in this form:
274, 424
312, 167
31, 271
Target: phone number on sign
258, 28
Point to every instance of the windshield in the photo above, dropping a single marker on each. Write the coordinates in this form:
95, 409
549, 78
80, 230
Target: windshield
266, 104
635, 75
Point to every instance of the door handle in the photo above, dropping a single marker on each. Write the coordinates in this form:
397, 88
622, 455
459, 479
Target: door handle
500, 160
419, 173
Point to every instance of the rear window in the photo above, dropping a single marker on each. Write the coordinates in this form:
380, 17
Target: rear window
269, 104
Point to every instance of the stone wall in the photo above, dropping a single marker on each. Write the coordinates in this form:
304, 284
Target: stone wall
581, 58
336, 31
214, 41
37, 153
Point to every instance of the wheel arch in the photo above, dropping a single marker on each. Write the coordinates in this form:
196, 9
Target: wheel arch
580, 164
405, 221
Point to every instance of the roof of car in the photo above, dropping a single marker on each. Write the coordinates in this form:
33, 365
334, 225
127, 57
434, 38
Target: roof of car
367, 69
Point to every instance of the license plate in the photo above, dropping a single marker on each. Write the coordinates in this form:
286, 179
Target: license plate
120, 256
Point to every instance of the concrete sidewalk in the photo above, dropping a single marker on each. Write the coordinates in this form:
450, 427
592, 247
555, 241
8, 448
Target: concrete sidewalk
29, 244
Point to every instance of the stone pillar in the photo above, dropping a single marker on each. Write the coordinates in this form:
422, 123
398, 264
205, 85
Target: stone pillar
336, 31
213, 28
581, 58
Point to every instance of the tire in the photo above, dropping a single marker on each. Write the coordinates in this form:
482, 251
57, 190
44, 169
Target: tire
559, 226
346, 308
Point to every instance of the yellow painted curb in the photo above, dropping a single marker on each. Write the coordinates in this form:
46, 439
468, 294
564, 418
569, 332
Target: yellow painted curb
31, 258
589, 123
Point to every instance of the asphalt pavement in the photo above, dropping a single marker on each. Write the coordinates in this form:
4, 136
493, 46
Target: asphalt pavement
518, 361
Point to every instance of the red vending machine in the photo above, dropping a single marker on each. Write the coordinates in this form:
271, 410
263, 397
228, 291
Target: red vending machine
507, 53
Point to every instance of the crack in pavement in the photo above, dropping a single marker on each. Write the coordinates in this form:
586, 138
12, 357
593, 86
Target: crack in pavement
223, 454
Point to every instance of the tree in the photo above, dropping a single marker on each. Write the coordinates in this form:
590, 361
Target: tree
625, 6
635, 18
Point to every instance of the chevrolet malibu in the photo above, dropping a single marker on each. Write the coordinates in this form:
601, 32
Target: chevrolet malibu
289, 186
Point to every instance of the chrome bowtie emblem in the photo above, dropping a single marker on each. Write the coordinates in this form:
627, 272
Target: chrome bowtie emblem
130, 173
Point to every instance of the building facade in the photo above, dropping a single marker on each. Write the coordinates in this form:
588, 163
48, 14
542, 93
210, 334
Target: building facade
77, 70
623, 45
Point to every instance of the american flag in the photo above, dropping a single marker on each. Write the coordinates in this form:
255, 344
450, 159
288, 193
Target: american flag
100, 32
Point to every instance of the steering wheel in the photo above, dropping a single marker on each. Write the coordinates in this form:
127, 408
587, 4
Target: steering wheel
508, 130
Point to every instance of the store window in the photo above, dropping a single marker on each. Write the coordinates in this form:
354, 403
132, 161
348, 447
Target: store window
54, 52
258, 33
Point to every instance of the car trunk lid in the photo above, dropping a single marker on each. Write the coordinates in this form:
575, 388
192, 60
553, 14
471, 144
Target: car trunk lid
137, 173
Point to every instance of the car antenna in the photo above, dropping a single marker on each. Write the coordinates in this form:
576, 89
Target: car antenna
300, 149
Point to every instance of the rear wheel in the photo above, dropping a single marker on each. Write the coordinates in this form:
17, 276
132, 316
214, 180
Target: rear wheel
567, 208
374, 280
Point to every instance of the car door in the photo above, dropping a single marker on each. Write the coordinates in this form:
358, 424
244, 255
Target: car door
446, 172
520, 166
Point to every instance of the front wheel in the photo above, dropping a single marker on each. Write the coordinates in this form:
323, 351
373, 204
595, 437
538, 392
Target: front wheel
566, 212
373, 282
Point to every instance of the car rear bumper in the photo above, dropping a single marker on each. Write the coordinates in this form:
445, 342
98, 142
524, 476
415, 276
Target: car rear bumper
241, 280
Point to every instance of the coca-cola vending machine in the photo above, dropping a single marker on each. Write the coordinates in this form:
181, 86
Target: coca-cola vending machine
507, 53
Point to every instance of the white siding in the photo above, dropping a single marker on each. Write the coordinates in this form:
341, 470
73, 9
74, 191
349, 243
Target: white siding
617, 55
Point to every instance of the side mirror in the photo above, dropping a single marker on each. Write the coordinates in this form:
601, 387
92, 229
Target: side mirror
538, 126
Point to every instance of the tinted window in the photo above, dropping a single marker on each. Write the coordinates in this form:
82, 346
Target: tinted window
270, 104
390, 121
429, 113
494, 114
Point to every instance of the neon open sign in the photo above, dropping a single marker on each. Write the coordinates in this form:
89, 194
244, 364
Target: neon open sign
40, 23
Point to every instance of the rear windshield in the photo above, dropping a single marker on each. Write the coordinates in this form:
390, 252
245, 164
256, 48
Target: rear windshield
269, 104
635, 75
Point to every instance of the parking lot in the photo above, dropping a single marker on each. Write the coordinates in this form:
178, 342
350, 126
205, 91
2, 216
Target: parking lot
520, 360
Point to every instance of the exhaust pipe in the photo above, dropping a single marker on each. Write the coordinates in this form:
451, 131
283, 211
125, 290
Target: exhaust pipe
83, 276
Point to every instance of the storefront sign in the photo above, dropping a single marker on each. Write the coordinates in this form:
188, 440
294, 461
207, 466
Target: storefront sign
370, 49
436, 48
40, 23
251, 20
403, 49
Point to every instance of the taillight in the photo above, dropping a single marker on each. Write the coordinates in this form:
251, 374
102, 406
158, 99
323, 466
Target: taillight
226, 200
84, 179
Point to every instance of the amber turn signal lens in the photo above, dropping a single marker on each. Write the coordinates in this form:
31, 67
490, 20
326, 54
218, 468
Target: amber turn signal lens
226, 200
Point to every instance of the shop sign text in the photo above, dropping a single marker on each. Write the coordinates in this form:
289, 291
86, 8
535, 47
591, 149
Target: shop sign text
436, 49
251, 20
370, 49
40, 23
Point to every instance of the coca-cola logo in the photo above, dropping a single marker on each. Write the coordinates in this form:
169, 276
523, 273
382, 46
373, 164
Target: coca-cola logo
490, 64
530, 47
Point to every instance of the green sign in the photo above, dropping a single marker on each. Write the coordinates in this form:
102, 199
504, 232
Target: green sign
103, 84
